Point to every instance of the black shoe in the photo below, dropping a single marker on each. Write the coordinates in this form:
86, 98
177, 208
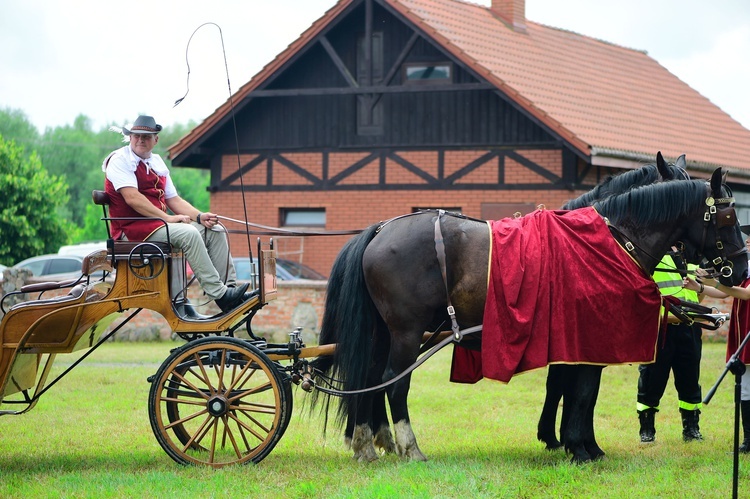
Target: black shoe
647, 431
232, 298
690, 428
185, 310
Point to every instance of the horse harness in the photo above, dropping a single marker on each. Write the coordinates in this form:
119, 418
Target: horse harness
715, 217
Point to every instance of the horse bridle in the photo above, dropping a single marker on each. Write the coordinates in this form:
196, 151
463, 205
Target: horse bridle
715, 217
720, 218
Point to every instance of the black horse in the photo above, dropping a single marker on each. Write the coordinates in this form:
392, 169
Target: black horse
588, 377
386, 288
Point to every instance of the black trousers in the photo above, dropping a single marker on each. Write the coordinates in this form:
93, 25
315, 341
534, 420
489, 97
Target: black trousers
682, 355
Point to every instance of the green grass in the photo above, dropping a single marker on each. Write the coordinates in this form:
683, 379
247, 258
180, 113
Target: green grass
90, 437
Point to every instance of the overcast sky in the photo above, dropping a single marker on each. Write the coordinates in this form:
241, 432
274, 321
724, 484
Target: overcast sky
114, 60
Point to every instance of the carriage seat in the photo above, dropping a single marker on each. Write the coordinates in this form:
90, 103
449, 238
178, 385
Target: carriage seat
75, 293
121, 249
94, 262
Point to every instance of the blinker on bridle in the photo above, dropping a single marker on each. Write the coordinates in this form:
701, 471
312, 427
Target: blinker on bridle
720, 218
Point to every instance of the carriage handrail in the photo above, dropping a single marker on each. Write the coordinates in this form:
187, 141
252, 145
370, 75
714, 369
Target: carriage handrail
93, 262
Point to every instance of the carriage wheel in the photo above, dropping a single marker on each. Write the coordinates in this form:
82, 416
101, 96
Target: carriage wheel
218, 401
173, 407
152, 261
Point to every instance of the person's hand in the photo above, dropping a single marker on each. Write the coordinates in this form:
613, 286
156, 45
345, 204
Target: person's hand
702, 276
209, 220
178, 219
691, 284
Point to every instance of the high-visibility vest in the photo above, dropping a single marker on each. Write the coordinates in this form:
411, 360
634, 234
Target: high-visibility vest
670, 283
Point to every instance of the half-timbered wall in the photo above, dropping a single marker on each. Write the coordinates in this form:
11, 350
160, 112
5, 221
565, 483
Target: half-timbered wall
339, 129
373, 186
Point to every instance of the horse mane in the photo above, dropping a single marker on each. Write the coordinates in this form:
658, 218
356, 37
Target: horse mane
655, 203
615, 184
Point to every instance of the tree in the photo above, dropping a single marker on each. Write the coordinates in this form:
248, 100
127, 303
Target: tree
15, 125
76, 152
30, 221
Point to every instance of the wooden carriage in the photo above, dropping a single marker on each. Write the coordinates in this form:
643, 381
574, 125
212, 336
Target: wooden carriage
215, 382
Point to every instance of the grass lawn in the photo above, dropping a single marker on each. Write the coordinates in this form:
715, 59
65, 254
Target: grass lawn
90, 437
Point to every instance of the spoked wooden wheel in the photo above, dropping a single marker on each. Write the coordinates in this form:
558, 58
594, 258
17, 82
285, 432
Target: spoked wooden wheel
218, 401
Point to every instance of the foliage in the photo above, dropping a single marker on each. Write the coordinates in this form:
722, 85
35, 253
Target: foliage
76, 152
15, 125
30, 223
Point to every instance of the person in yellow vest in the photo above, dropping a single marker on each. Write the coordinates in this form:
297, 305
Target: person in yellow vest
680, 354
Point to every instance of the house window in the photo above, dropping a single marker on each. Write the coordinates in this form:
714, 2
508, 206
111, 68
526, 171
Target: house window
370, 106
421, 73
303, 217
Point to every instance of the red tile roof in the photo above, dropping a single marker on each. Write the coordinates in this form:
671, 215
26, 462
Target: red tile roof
606, 100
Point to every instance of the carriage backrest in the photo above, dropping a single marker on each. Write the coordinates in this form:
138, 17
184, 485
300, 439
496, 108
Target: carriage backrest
121, 249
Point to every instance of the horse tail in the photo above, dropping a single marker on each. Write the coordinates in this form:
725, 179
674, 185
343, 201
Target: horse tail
349, 321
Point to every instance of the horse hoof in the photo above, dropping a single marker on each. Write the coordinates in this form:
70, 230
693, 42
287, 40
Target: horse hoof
366, 455
384, 440
552, 445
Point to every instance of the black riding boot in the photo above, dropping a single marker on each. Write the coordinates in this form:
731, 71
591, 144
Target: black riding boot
690, 429
745, 411
648, 430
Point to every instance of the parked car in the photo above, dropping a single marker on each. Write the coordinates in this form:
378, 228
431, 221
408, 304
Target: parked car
286, 270
53, 267
82, 249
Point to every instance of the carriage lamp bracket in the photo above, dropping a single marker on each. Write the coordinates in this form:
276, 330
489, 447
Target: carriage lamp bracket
295, 342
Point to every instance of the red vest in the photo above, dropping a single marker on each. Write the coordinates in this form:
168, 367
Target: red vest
150, 185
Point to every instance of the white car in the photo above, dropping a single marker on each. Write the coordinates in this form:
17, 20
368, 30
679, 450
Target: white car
53, 267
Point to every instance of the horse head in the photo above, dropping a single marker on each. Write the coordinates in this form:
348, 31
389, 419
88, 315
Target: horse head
722, 241
649, 220
717, 238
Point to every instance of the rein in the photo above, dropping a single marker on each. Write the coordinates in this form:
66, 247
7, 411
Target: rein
270, 231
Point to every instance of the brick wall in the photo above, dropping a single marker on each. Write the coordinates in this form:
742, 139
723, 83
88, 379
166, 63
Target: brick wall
357, 209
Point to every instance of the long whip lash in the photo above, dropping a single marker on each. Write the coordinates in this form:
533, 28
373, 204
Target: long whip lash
234, 121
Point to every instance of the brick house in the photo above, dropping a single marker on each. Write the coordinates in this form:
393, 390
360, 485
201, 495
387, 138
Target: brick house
383, 107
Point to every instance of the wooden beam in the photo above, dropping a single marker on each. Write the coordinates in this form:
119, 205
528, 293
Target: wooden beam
337, 61
376, 89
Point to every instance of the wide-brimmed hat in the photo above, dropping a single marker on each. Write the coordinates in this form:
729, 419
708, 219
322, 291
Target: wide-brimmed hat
142, 124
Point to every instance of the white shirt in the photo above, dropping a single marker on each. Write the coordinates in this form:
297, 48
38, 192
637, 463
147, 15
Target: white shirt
121, 164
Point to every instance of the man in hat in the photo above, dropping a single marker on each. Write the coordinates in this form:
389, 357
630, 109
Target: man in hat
139, 186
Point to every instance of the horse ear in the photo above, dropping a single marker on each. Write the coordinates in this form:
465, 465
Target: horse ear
681, 163
661, 165
716, 181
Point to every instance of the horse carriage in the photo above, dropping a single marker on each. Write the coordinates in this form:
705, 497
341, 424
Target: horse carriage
394, 292
216, 400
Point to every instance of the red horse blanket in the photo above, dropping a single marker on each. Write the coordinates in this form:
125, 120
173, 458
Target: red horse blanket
561, 290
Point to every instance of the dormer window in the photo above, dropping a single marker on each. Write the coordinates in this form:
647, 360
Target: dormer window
427, 73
